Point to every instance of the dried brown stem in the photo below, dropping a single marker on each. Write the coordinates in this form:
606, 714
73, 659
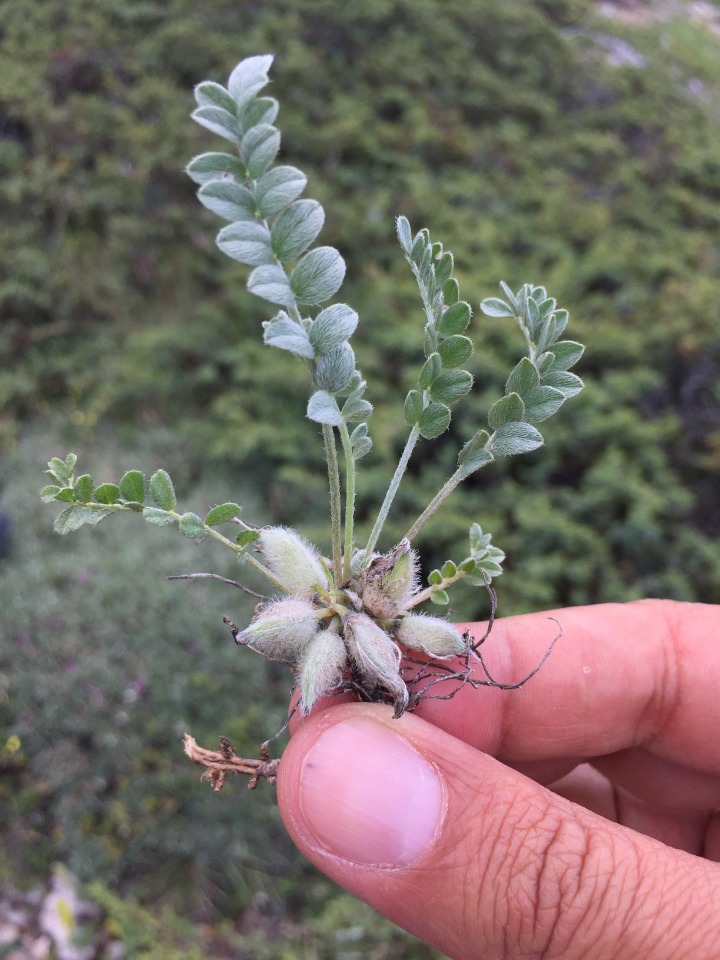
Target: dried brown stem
218, 763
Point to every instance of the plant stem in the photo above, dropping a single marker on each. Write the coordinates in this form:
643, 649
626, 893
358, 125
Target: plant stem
436, 502
433, 588
213, 534
335, 508
350, 474
333, 475
390, 495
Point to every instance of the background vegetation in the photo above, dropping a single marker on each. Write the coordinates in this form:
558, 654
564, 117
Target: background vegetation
541, 143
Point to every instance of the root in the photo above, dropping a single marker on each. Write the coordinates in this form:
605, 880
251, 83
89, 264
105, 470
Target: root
218, 763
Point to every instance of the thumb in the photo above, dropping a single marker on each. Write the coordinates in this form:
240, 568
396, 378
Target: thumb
476, 860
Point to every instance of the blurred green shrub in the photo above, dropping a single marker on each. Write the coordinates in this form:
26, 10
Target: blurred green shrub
343, 930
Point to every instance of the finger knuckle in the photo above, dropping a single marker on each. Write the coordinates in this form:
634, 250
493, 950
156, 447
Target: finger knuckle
570, 889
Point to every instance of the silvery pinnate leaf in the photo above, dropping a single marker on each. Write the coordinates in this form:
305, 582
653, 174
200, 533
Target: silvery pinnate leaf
565, 354
214, 166
455, 319
512, 439
271, 283
474, 454
455, 351
258, 148
295, 229
506, 410
192, 527
567, 383
247, 242
333, 326
451, 386
523, 378
355, 408
288, 334
323, 408
228, 199
318, 275
542, 402
218, 121
430, 371
495, 307
257, 111
360, 442
249, 77
335, 368
72, 518
210, 94
277, 188
434, 420
413, 407
157, 517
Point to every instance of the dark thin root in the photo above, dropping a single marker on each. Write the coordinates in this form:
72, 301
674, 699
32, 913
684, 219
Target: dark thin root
215, 576
347, 686
491, 619
283, 728
422, 694
435, 671
491, 682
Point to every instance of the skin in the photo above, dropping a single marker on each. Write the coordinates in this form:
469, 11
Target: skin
576, 817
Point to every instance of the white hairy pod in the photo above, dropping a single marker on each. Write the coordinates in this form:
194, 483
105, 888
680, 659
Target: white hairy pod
376, 656
320, 667
390, 581
293, 560
431, 635
282, 629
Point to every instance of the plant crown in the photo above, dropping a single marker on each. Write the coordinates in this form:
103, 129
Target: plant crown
347, 621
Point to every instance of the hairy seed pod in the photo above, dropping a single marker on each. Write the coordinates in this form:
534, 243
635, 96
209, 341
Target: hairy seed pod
403, 580
320, 668
377, 658
293, 560
431, 635
390, 581
282, 629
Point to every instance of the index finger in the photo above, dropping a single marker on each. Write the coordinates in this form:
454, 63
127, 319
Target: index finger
643, 674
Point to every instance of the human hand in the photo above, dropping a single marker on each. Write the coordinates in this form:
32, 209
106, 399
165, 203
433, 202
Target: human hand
594, 834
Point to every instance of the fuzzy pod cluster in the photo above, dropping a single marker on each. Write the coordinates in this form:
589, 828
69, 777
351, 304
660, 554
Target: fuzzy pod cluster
349, 638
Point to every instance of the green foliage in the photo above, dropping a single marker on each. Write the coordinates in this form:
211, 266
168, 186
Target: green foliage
271, 231
439, 386
343, 929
